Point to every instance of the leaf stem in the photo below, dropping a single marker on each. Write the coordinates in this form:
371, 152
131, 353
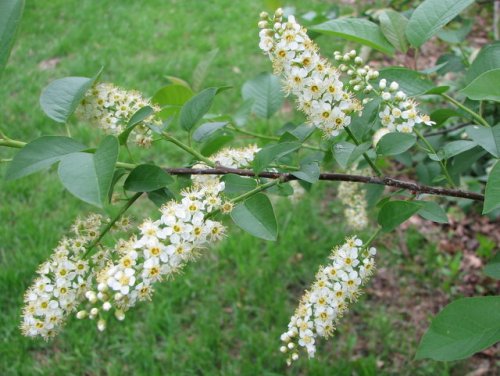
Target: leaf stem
478, 118
187, 148
270, 138
433, 151
110, 224
365, 156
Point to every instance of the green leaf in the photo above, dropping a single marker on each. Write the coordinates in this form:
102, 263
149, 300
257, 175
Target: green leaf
160, 196
308, 172
395, 143
492, 192
360, 125
61, 97
443, 114
89, 176
206, 130
265, 90
235, 184
437, 90
393, 213
147, 178
172, 95
410, 81
487, 59
484, 87
462, 328
342, 151
256, 216
454, 148
195, 108
457, 35
487, 138
271, 153
430, 17
492, 269
139, 116
432, 212
357, 30
201, 70
393, 25
11, 12
240, 117
40, 154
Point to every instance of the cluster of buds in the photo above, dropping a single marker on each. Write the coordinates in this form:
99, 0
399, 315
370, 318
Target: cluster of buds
361, 76
320, 308
110, 108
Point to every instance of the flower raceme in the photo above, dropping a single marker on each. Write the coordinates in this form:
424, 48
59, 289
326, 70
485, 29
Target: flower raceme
336, 285
328, 99
62, 281
110, 108
161, 249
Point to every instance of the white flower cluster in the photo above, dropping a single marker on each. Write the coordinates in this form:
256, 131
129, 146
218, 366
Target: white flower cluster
110, 108
163, 248
320, 93
399, 113
353, 198
61, 281
335, 286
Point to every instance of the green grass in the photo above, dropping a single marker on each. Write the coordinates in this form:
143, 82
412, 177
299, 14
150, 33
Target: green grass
225, 313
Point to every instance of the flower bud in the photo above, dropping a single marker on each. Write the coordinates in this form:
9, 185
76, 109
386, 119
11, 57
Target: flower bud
291, 345
346, 57
81, 315
401, 96
382, 84
295, 356
386, 96
262, 24
120, 315
102, 287
278, 12
106, 306
118, 296
101, 325
264, 15
283, 349
94, 311
358, 60
352, 53
394, 86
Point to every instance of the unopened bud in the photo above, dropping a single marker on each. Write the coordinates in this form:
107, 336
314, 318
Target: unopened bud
262, 24
283, 349
278, 12
358, 60
352, 53
101, 325
94, 311
106, 306
81, 315
120, 315
394, 86
264, 15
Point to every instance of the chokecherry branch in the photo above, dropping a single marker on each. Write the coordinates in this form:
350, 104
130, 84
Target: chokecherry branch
331, 176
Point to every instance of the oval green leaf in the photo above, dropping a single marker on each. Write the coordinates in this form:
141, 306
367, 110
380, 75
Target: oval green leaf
89, 176
10, 16
430, 17
265, 91
40, 154
196, 107
271, 153
357, 30
395, 143
432, 212
461, 329
393, 26
147, 178
256, 216
484, 87
492, 192
393, 213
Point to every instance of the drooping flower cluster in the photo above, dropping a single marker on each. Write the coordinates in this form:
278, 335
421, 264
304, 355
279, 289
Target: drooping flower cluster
320, 93
62, 281
162, 249
336, 285
354, 201
110, 108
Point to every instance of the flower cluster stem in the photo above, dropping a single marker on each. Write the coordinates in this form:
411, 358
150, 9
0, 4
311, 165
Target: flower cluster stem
365, 156
478, 118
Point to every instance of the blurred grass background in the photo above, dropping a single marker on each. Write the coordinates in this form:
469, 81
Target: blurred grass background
225, 313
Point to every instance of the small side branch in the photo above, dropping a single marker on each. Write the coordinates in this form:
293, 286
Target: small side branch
285, 176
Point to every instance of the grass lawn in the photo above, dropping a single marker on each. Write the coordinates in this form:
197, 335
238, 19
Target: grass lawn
225, 313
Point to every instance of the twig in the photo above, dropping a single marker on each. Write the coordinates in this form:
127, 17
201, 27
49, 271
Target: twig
285, 176
446, 130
